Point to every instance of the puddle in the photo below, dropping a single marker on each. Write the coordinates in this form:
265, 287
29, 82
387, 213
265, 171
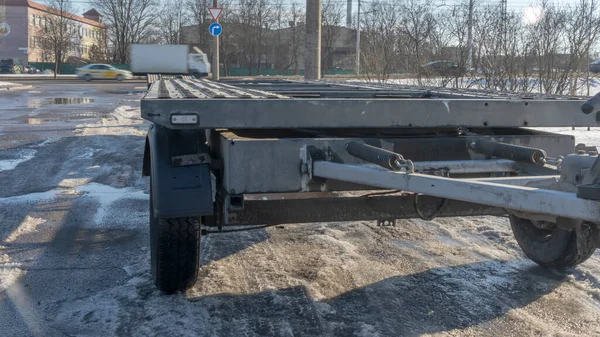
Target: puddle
79, 100
40, 120
38, 103
69, 117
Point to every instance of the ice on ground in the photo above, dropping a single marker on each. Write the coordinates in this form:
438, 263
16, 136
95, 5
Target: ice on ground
124, 120
9, 271
107, 195
29, 225
22, 156
48, 141
6, 84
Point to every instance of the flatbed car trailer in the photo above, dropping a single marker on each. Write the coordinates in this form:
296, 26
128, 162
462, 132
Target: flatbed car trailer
257, 153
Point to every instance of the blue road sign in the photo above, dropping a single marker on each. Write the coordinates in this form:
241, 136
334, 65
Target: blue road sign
215, 29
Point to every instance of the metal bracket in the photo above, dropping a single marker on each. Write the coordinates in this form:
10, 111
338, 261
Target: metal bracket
590, 191
592, 175
191, 159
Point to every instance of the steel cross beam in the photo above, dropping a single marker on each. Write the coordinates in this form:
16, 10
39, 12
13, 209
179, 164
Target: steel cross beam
518, 198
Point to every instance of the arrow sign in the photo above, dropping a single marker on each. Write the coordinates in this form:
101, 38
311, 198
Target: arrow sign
215, 13
215, 29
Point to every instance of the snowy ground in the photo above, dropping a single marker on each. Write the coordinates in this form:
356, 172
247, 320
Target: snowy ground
583, 87
74, 252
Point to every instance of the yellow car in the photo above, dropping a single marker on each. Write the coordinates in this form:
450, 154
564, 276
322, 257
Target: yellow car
102, 72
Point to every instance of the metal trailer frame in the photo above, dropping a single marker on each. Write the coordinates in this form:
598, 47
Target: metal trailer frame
258, 130
265, 152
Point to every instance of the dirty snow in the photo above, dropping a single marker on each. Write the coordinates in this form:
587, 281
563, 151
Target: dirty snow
123, 120
108, 195
9, 271
582, 135
22, 156
28, 225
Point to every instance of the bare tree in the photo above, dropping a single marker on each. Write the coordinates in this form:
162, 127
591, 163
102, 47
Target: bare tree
583, 25
60, 32
201, 18
379, 52
549, 40
171, 19
332, 16
449, 40
286, 36
129, 21
254, 16
297, 21
417, 26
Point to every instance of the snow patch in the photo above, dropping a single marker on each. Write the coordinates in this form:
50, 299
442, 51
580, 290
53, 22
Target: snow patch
32, 197
367, 330
48, 141
124, 120
582, 135
23, 156
107, 195
9, 271
6, 84
29, 225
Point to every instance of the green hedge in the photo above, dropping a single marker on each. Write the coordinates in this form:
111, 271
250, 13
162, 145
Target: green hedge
275, 72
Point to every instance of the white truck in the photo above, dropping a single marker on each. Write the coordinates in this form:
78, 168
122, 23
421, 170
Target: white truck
168, 59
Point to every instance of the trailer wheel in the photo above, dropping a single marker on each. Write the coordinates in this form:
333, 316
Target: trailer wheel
550, 246
174, 252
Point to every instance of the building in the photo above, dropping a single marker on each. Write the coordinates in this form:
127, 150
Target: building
281, 47
23, 32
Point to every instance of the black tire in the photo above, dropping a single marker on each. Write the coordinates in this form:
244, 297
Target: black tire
87, 77
174, 252
119, 78
552, 247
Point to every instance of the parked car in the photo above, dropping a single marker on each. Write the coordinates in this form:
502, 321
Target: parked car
31, 70
8, 66
6, 69
442, 68
595, 67
102, 71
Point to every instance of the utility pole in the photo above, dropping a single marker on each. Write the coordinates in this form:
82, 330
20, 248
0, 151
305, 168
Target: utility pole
216, 65
358, 41
312, 62
470, 38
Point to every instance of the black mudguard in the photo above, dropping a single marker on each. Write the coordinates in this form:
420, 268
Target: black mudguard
178, 191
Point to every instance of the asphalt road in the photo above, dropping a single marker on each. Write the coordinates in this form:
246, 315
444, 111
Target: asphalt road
74, 251
72, 81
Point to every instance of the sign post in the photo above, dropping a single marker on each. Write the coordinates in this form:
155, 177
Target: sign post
215, 30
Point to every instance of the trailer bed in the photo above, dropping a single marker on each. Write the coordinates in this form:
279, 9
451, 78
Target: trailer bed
290, 105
